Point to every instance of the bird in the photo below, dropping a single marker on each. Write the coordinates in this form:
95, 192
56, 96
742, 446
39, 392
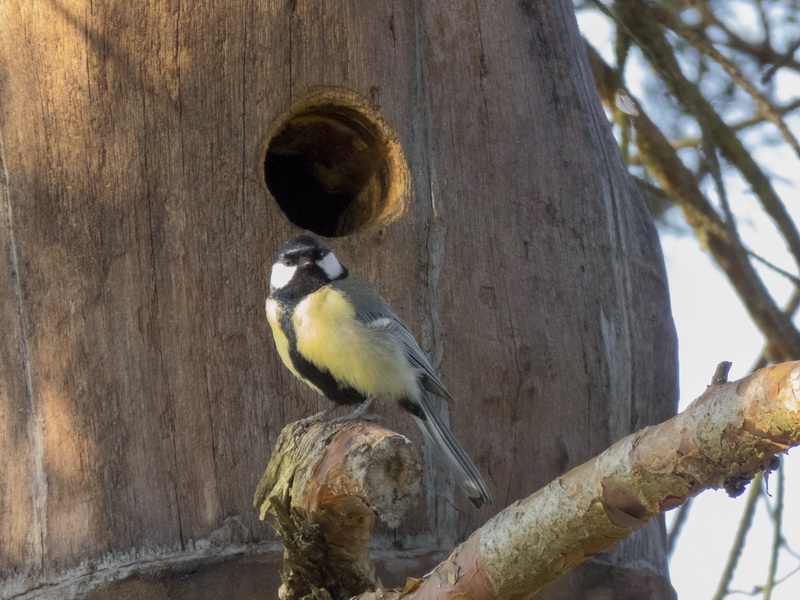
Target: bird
336, 334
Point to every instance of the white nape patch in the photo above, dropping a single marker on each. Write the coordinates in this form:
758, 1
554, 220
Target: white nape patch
281, 275
332, 267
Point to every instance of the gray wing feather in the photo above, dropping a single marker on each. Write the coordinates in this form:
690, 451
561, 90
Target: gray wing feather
374, 311
453, 454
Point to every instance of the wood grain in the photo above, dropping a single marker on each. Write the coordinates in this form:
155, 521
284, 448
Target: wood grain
141, 394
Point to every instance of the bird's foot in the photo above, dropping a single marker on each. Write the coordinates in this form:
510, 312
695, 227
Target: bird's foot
320, 416
357, 414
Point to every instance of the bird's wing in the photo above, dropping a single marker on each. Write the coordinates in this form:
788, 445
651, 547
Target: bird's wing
375, 312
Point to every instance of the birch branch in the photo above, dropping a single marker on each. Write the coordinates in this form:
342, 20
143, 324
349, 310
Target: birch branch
722, 440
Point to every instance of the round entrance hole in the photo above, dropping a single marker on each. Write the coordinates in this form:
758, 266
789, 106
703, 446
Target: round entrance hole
334, 167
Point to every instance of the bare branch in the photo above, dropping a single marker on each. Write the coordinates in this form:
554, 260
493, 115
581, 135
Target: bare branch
723, 439
757, 119
675, 178
790, 309
770, 72
641, 22
701, 43
762, 53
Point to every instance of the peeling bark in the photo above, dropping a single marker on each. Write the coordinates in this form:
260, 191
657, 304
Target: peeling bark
730, 433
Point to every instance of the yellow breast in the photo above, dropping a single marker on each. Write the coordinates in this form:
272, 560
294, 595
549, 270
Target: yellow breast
358, 356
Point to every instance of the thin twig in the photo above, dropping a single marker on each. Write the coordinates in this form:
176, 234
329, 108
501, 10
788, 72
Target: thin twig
677, 526
791, 573
680, 184
712, 162
741, 535
770, 72
701, 44
790, 309
763, 54
642, 23
777, 516
771, 265
762, 16
638, 19
756, 119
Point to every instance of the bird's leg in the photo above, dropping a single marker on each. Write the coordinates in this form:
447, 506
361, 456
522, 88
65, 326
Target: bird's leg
317, 417
357, 413
302, 424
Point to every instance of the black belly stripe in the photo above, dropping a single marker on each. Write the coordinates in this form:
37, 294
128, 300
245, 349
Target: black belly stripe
321, 378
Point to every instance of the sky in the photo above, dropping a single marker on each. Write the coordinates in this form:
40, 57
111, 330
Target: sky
713, 326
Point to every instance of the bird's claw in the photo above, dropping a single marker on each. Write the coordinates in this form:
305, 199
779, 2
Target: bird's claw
356, 414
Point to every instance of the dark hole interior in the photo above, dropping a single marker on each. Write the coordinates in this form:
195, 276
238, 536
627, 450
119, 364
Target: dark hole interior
327, 168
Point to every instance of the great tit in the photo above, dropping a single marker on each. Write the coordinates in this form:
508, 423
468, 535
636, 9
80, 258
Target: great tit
339, 336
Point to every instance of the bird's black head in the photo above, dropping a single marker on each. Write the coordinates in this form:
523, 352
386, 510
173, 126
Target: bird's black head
304, 265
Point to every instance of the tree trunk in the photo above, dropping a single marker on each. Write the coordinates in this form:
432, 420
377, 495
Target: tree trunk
464, 151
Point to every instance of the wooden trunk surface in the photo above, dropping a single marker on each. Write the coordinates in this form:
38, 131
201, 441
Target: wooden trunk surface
141, 394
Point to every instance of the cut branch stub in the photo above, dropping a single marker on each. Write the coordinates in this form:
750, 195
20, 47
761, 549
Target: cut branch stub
325, 484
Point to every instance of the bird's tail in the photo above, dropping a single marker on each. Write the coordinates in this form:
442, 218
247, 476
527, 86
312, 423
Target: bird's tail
452, 453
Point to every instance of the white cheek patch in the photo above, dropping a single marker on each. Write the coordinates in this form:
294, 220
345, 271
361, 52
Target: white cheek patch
281, 275
332, 267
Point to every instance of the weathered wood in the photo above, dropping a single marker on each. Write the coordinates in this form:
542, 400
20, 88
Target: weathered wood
140, 390
325, 486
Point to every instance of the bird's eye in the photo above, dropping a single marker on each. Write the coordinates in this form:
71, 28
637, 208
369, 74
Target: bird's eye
286, 261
